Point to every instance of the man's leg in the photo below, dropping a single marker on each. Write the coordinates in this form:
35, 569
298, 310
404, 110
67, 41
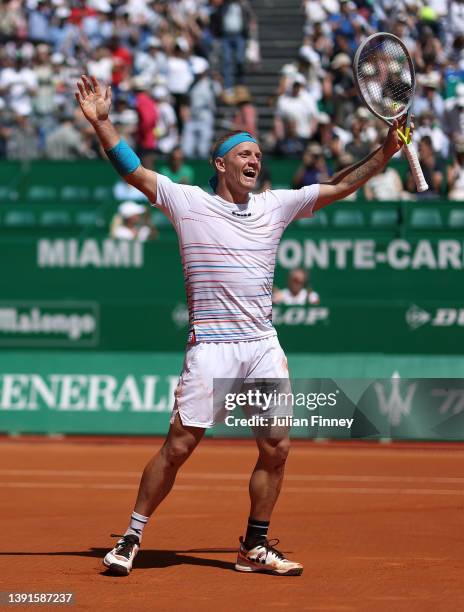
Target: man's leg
256, 553
160, 472
266, 479
157, 480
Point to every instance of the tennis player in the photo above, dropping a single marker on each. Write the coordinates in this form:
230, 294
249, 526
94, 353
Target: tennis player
228, 241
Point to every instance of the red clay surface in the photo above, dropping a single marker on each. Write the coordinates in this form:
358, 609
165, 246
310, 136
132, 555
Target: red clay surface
377, 527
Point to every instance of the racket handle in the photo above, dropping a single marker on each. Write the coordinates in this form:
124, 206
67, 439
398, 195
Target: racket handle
411, 154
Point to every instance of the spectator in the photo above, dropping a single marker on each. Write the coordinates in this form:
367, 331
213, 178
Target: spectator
456, 18
66, 142
167, 133
18, 83
132, 222
179, 78
357, 147
97, 27
296, 118
455, 172
427, 125
22, 140
148, 115
13, 21
39, 21
366, 121
4, 131
125, 118
296, 293
313, 170
64, 35
430, 99
230, 23
152, 62
342, 89
199, 123
309, 65
122, 61
246, 117
177, 170
102, 65
454, 113
44, 101
433, 168
386, 186
332, 138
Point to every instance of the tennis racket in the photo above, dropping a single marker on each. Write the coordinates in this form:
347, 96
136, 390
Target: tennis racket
386, 81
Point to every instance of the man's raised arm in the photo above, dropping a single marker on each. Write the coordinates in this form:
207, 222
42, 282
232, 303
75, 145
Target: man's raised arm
95, 104
352, 178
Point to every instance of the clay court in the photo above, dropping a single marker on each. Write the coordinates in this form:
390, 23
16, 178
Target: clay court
378, 527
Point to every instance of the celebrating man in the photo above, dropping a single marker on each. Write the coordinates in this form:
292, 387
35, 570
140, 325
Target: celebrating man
228, 242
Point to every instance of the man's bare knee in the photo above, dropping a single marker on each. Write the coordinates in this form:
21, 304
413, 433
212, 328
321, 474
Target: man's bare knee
275, 452
180, 443
177, 452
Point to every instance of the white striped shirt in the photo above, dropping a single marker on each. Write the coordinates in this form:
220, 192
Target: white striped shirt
228, 255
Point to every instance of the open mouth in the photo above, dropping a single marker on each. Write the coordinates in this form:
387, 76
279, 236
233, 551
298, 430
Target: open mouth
250, 173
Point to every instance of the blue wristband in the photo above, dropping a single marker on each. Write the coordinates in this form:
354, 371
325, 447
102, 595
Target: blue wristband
123, 158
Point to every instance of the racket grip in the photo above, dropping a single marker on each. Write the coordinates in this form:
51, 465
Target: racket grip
411, 154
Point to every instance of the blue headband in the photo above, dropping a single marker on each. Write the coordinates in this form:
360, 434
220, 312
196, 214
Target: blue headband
227, 146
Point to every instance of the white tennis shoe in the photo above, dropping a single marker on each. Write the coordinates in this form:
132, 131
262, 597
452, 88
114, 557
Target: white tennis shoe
119, 560
265, 558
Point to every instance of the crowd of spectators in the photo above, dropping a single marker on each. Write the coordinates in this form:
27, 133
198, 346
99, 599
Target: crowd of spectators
158, 55
318, 111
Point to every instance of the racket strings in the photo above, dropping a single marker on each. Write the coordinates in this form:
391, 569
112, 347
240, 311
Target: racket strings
385, 77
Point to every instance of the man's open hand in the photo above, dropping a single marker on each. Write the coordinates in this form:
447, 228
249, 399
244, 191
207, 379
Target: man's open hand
94, 102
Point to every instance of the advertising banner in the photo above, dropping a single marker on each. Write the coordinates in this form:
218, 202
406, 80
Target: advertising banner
391, 296
102, 393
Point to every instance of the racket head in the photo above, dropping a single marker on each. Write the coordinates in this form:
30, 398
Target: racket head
384, 75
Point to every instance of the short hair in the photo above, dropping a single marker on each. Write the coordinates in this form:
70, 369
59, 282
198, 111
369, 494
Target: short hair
299, 271
426, 140
222, 139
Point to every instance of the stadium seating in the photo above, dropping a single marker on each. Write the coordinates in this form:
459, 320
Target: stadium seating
42, 193
456, 219
345, 218
53, 218
19, 218
425, 219
384, 218
319, 221
90, 218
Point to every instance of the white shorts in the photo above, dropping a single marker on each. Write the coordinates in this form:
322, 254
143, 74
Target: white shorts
232, 363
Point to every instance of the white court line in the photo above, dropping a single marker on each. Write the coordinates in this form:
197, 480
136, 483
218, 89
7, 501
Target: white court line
221, 488
244, 476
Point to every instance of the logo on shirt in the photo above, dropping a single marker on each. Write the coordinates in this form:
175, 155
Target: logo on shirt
238, 214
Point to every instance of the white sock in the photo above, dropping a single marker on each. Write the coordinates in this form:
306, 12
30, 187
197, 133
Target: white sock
137, 525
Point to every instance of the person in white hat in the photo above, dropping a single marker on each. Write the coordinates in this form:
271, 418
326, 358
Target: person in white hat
130, 223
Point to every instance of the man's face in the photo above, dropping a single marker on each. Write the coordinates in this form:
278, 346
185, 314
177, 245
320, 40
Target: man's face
296, 89
296, 281
242, 166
